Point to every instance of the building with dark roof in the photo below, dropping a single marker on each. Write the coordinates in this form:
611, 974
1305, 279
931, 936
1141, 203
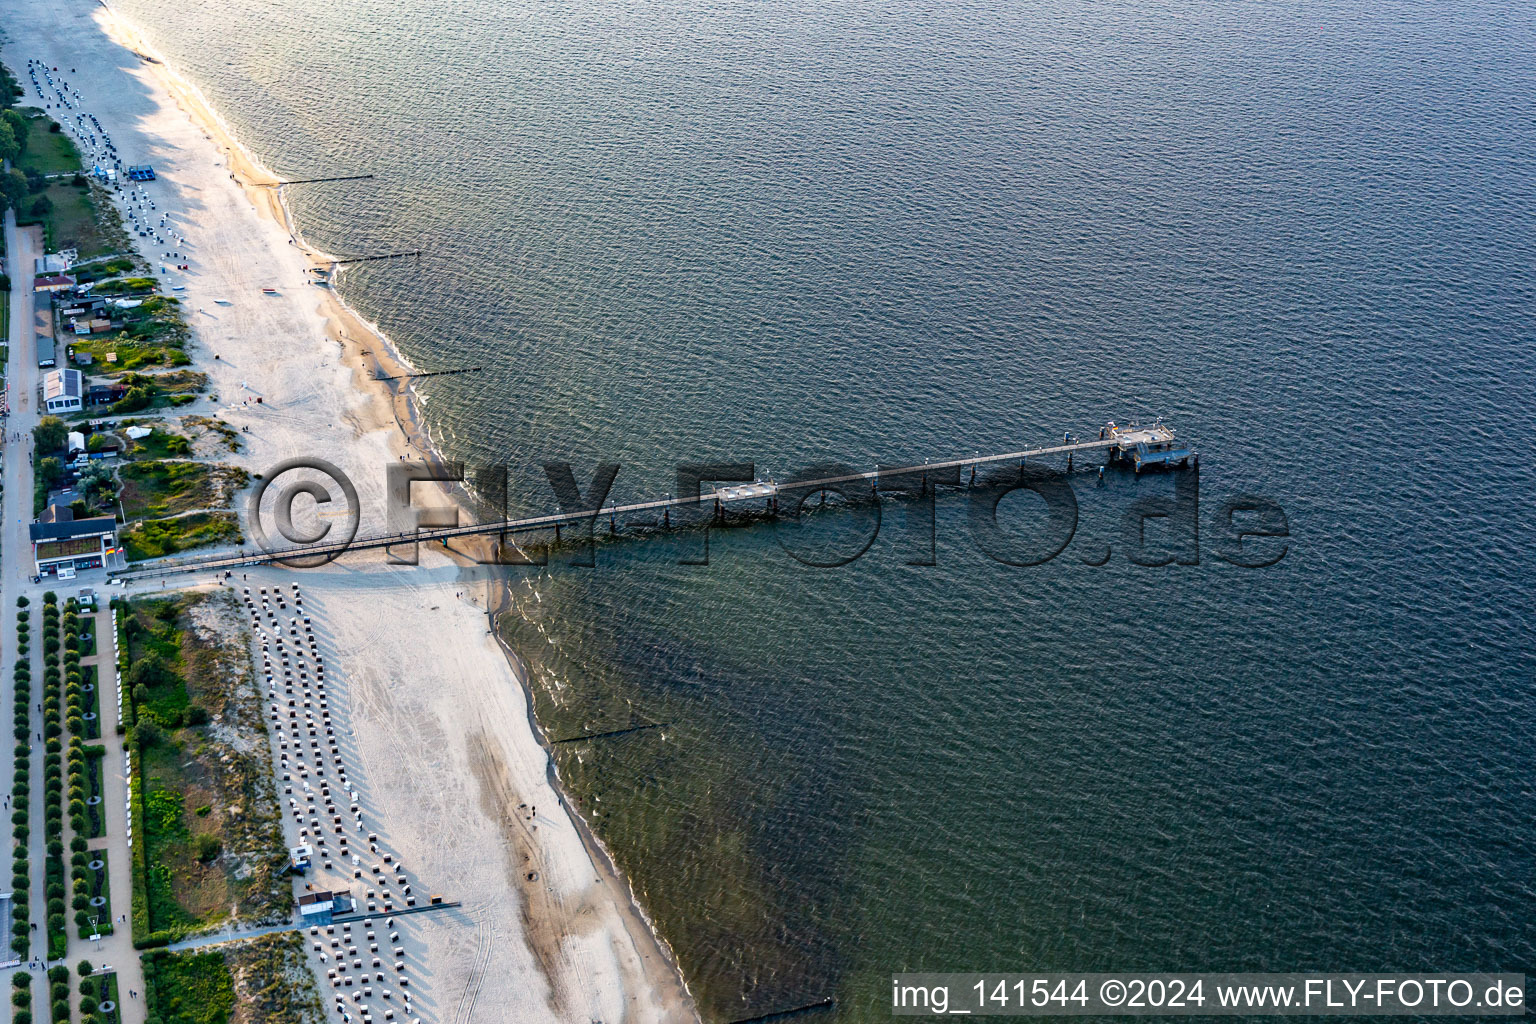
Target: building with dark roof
60, 541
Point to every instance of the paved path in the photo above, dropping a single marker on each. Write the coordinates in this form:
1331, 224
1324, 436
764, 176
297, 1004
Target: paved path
116, 949
224, 935
15, 555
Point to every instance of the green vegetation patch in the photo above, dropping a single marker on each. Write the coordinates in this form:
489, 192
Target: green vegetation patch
267, 977
98, 919
96, 990
154, 682
104, 268
10, 87
273, 980
75, 214
212, 837
188, 988
92, 692
156, 538
95, 813
162, 443
154, 333
155, 488
159, 390
216, 430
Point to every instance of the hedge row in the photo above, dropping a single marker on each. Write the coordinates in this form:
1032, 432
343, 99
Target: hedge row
21, 797
95, 989
21, 998
58, 994
53, 781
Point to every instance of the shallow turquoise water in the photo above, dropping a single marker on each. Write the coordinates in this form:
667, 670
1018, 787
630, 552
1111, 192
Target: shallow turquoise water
776, 232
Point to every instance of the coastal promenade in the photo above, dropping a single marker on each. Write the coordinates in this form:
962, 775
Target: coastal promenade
116, 950
15, 554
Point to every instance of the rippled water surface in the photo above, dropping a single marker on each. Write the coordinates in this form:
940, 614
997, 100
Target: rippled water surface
791, 232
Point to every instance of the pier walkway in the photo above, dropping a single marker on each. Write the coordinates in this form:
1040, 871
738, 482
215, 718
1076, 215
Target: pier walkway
1135, 444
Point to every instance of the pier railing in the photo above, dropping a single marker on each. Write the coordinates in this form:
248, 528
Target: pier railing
721, 497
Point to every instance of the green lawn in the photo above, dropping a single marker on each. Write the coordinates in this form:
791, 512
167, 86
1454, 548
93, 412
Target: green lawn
48, 152
71, 222
77, 214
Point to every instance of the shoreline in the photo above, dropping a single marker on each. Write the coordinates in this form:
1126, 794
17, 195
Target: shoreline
367, 352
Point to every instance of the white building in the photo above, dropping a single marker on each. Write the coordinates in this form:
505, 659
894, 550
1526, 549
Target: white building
63, 391
53, 263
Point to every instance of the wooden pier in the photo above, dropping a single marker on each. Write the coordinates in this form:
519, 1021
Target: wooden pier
1133, 444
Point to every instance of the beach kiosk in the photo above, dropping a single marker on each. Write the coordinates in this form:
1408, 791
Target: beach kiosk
316, 908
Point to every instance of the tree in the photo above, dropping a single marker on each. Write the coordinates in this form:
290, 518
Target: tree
148, 732
13, 188
10, 148
137, 398
150, 671
50, 471
50, 434
19, 126
96, 484
42, 206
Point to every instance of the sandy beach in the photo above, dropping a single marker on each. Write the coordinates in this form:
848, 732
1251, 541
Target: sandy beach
445, 753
